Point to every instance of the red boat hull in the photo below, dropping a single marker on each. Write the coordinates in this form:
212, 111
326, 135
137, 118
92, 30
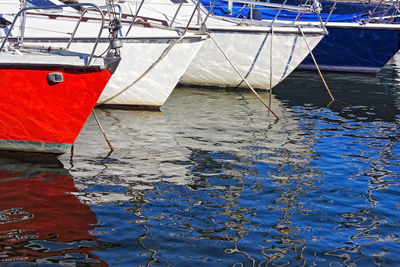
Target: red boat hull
40, 116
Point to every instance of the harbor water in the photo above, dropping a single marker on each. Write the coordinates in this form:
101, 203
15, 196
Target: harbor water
215, 180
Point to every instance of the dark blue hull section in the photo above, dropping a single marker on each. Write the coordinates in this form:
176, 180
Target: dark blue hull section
354, 50
344, 49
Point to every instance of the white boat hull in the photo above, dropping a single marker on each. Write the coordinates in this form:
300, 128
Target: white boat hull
246, 44
154, 88
250, 53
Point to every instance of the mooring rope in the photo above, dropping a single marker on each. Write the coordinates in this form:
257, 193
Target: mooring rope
242, 77
155, 63
102, 131
316, 64
270, 67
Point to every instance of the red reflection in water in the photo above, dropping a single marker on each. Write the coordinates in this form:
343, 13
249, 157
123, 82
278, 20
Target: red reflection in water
40, 220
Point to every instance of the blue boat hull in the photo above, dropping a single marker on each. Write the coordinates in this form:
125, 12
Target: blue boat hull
354, 50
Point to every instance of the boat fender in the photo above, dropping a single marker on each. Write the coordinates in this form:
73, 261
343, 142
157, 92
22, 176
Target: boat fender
54, 78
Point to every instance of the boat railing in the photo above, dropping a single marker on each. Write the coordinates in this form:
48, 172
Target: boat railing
125, 17
315, 8
170, 25
383, 11
197, 8
271, 5
374, 16
24, 10
385, 16
98, 36
146, 19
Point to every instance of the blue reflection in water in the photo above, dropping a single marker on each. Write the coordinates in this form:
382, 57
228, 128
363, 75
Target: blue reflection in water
318, 188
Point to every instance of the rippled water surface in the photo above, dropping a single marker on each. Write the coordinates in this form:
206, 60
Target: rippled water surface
215, 180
